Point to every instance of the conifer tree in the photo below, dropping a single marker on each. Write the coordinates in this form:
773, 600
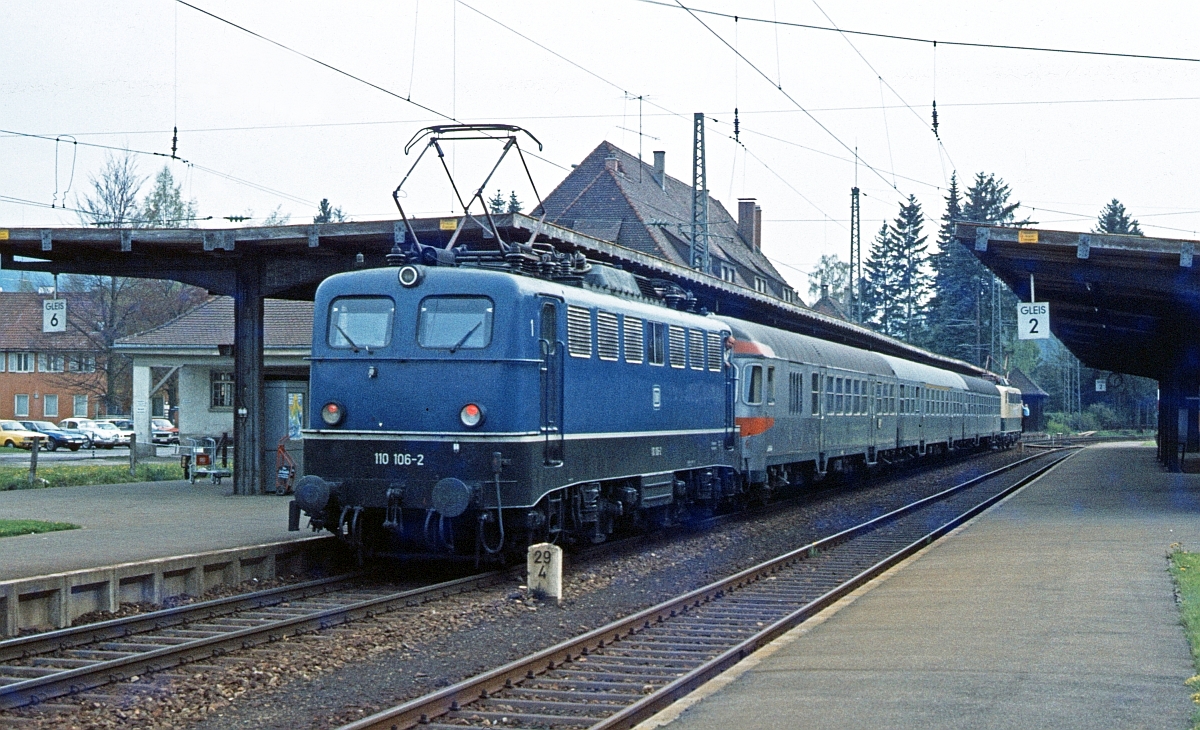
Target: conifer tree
164, 206
1114, 219
496, 204
897, 283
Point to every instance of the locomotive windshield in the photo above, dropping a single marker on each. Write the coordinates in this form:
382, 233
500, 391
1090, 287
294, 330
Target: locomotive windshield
360, 322
455, 323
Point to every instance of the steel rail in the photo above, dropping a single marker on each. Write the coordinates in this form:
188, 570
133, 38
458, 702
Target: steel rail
637, 674
157, 653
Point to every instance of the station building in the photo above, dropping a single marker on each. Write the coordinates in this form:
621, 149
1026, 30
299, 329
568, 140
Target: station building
49, 375
197, 347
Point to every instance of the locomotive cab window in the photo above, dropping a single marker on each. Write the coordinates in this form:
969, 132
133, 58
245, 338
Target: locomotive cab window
455, 323
360, 322
754, 384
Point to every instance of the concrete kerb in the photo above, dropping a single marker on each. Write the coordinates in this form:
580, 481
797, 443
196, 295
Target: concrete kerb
54, 601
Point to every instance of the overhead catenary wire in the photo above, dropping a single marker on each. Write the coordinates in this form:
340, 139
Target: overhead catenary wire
317, 61
915, 39
786, 95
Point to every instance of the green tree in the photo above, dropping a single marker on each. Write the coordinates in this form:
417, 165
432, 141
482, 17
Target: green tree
496, 204
514, 205
897, 284
831, 277
970, 311
1114, 219
326, 213
164, 206
112, 202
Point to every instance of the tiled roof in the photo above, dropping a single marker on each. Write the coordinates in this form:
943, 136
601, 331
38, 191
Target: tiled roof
629, 207
21, 323
827, 305
286, 325
1022, 382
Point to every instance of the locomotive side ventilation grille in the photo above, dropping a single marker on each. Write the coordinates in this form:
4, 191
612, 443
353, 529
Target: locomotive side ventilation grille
633, 340
677, 345
579, 331
714, 351
696, 349
608, 336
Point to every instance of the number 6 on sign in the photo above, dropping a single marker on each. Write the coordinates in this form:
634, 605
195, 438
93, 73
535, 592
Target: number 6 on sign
54, 315
1033, 320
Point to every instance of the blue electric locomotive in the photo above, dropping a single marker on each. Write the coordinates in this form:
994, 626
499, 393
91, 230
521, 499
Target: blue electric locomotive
466, 410
472, 409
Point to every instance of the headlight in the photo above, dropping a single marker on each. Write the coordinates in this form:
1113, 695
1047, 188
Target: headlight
471, 415
409, 276
333, 414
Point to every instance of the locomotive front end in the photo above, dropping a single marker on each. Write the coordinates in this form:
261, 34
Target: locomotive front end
424, 416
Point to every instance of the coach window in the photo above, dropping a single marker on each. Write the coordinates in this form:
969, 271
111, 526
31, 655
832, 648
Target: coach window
770, 386
816, 394
361, 322
754, 384
839, 404
656, 344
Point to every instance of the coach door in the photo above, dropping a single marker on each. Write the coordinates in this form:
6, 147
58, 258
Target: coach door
824, 403
551, 371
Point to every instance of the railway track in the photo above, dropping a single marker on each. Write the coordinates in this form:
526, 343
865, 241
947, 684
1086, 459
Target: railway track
617, 675
38, 668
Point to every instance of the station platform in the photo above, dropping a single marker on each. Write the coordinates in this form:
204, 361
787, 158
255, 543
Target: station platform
1052, 609
123, 523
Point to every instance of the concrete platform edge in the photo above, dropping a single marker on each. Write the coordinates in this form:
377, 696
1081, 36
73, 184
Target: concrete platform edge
55, 600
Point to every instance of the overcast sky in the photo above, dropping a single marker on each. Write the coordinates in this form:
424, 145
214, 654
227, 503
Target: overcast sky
1066, 132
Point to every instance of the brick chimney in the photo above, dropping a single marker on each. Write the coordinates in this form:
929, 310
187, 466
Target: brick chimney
746, 220
612, 164
660, 168
758, 228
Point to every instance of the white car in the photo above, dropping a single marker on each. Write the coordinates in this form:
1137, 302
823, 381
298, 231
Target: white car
105, 439
120, 438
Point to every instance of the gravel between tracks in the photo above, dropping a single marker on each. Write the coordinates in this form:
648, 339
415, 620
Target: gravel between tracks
326, 679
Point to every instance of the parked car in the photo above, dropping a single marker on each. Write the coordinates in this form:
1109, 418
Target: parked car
96, 436
124, 425
55, 436
13, 433
164, 431
121, 437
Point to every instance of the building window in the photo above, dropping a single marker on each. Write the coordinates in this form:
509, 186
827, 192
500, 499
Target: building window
760, 285
50, 363
222, 389
728, 273
50, 406
82, 364
20, 362
21, 405
80, 407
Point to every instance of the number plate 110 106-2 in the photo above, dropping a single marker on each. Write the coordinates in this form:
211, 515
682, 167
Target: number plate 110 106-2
1033, 320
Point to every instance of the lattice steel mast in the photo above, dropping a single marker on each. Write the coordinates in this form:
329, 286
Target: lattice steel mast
699, 198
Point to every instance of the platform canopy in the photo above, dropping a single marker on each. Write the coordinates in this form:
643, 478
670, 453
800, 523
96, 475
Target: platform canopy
1129, 304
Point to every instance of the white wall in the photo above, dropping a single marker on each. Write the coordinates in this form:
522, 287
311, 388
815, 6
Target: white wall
196, 418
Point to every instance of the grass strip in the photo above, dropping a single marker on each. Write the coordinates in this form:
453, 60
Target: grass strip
10, 528
1185, 570
14, 477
